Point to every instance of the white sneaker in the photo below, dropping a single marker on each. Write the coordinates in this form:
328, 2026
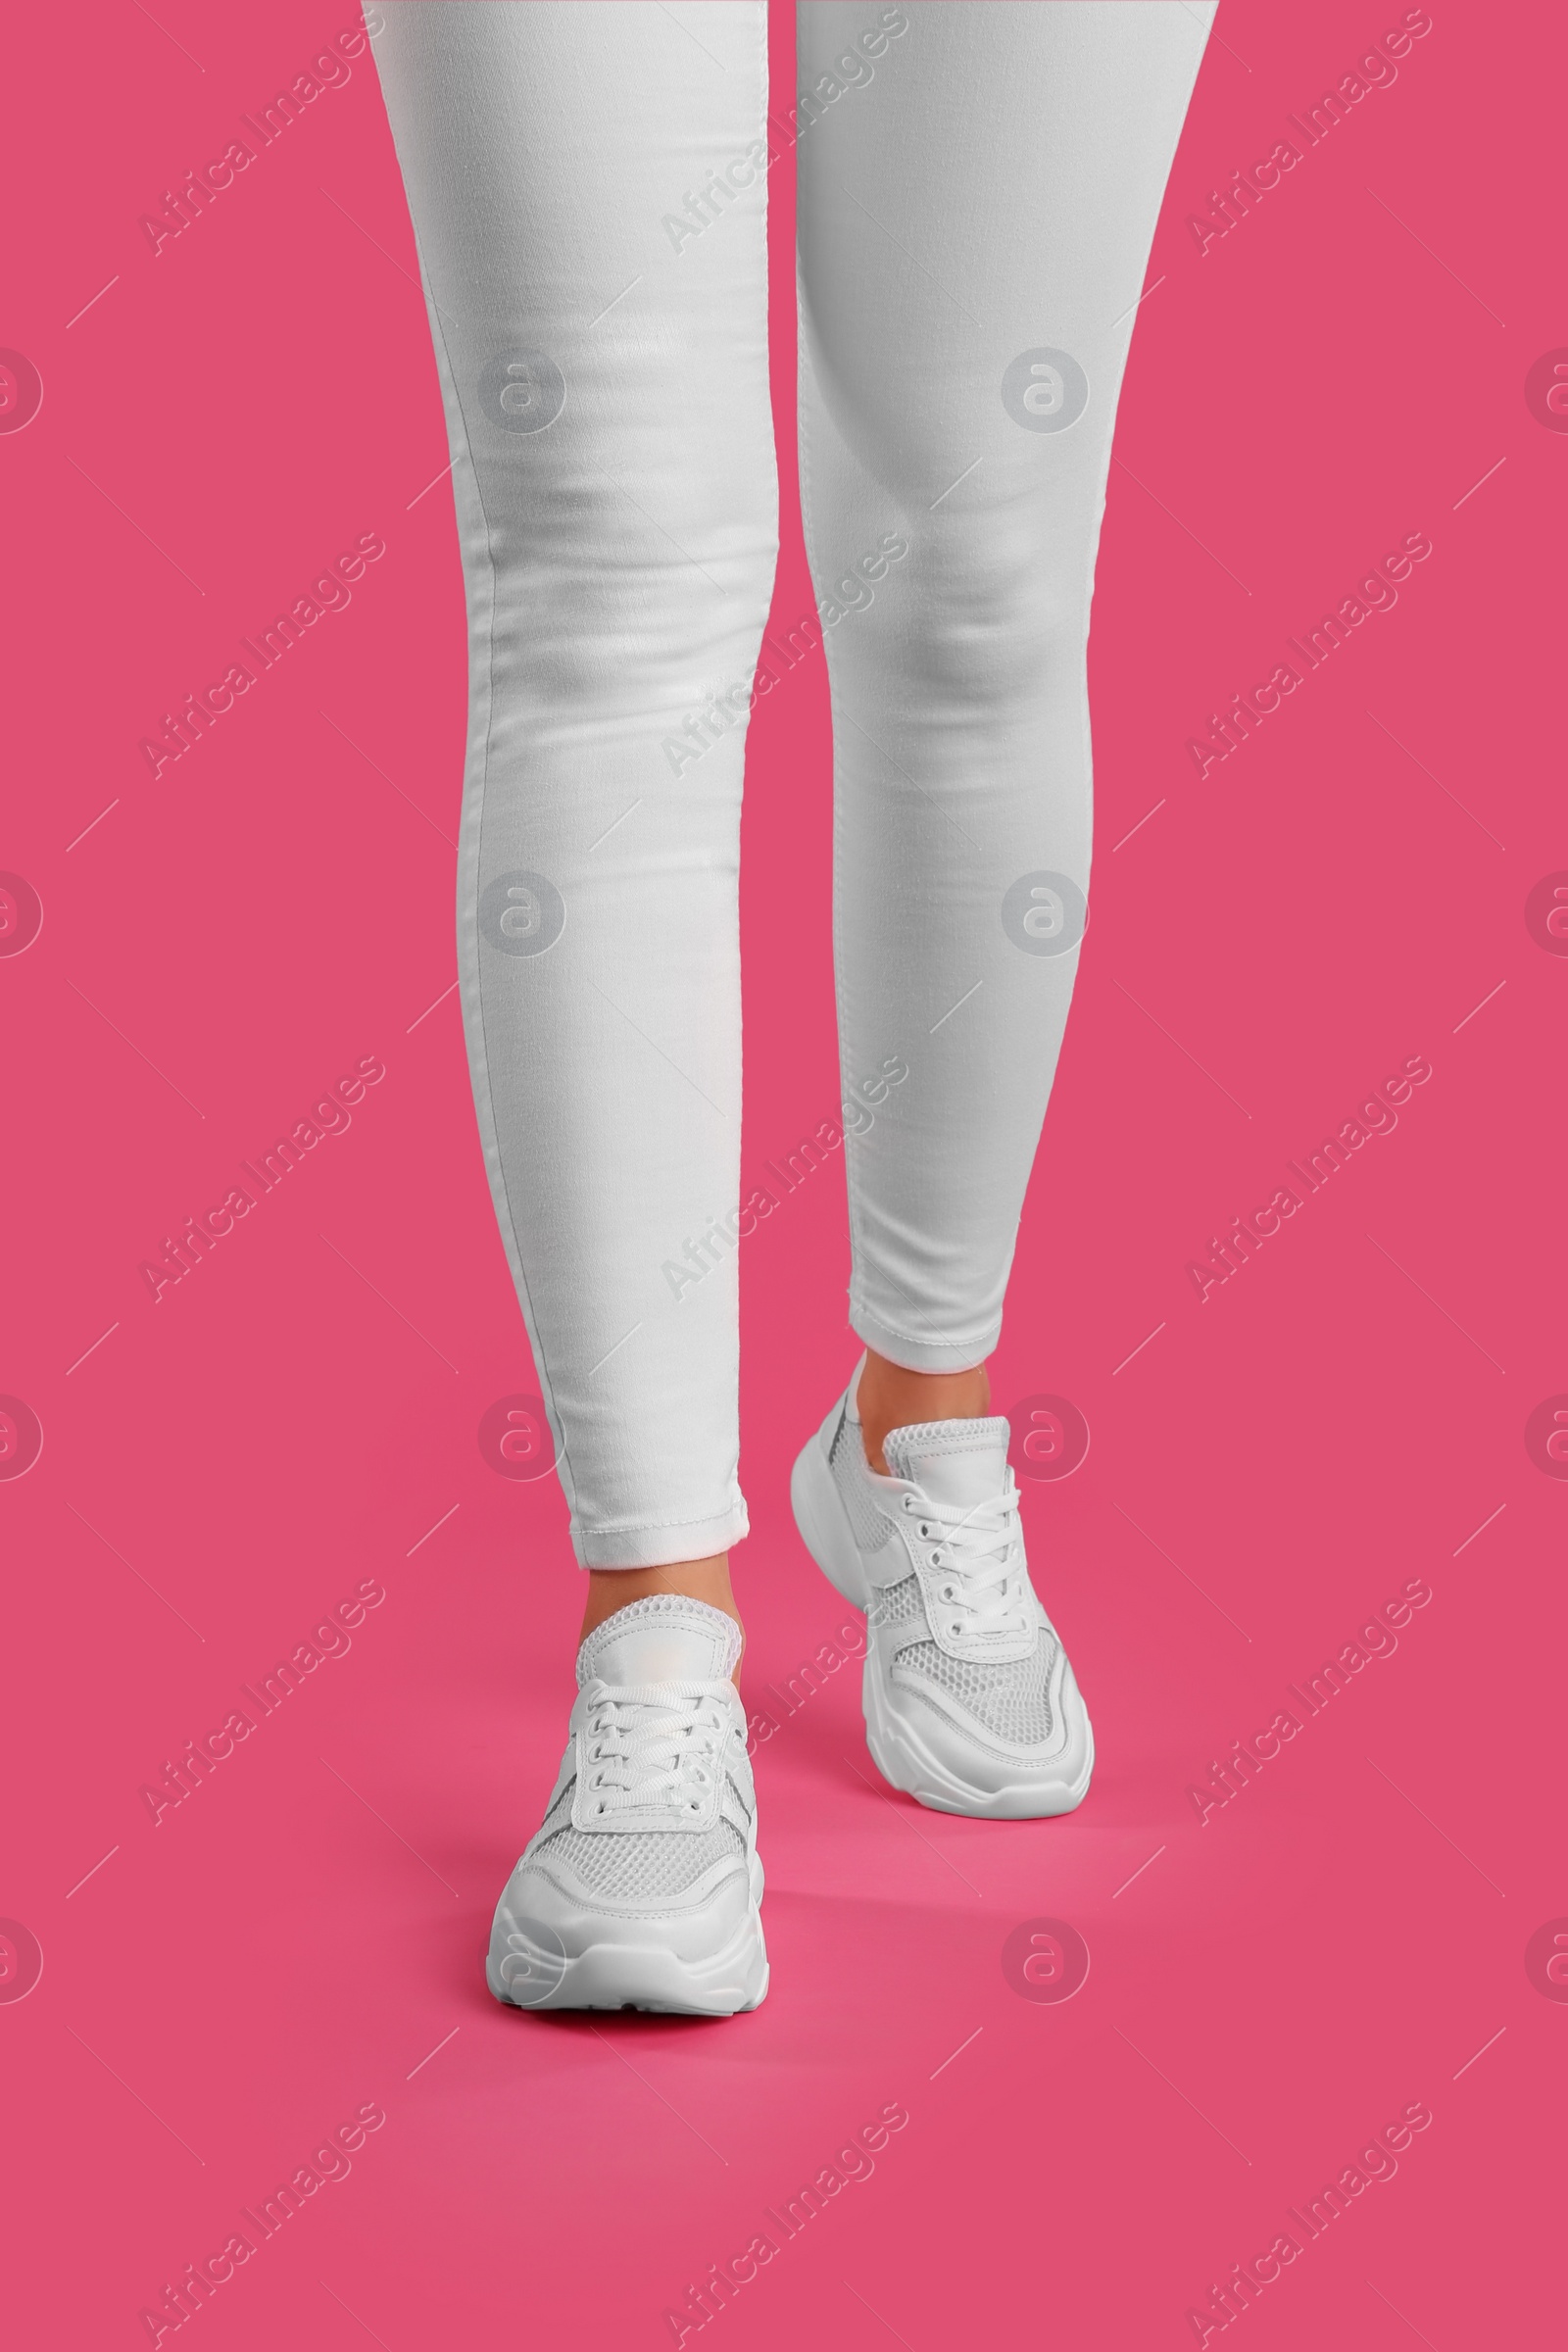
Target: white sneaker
641, 1887
970, 1704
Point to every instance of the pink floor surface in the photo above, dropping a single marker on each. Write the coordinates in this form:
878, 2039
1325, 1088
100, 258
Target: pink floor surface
1363, 1930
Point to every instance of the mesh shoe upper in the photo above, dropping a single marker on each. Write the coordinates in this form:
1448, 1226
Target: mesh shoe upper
638, 1865
1012, 1699
965, 1627
655, 1788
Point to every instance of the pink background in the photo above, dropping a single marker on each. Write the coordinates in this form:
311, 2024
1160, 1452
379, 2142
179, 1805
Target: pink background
218, 1992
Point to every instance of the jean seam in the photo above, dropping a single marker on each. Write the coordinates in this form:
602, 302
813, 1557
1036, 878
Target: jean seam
471, 919
803, 437
736, 1508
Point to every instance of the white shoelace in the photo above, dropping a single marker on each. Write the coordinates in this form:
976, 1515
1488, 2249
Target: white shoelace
980, 1554
656, 1747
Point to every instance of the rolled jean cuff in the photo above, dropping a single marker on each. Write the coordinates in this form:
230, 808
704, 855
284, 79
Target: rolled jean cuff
921, 1355
657, 1547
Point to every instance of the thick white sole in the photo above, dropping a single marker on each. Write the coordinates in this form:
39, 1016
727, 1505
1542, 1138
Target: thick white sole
897, 1751
529, 1967
902, 1759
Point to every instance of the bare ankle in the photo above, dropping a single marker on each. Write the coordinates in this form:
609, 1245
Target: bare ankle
893, 1397
612, 1588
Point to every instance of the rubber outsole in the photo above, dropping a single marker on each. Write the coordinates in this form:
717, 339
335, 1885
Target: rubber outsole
896, 1749
528, 1967
903, 1760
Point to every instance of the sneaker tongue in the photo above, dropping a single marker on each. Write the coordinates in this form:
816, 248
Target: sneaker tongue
663, 1637
960, 1463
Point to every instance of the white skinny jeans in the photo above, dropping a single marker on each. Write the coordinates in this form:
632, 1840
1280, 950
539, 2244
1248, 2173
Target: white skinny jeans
979, 182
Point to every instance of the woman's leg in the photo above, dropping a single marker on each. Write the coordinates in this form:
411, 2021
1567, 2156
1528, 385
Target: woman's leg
587, 183
979, 184
977, 201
